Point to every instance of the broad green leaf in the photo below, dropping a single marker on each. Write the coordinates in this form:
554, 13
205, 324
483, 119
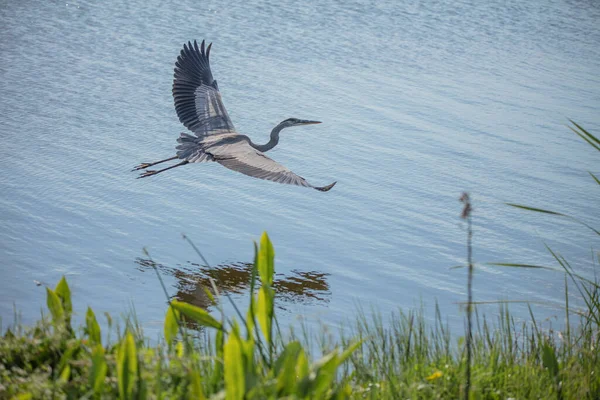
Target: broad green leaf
285, 368
266, 260
98, 370
342, 393
325, 374
92, 328
549, 360
171, 324
54, 305
198, 314
63, 291
65, 374
195, 391
250, 363
143, 390
303, 382
23, 396
70, 353
291, 350
235, 379
127, 366
264, 310
302, 367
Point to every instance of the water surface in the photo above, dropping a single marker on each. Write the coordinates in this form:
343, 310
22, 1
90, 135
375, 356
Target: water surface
420, 101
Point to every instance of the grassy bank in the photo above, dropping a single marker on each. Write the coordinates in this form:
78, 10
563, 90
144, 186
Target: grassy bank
248, 355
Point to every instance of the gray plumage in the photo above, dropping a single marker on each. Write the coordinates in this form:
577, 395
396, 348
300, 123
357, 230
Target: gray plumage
200, 108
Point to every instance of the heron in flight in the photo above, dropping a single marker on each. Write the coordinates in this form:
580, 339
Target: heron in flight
200, 109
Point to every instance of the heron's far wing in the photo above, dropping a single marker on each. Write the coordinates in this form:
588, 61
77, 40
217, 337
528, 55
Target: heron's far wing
242, 157
197, 98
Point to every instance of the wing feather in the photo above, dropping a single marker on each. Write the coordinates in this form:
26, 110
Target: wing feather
198, 102
241, 157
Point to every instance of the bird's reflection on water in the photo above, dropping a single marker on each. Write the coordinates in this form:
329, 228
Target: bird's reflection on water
192, 279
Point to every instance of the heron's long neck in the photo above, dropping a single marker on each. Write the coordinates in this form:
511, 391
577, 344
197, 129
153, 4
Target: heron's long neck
272, 142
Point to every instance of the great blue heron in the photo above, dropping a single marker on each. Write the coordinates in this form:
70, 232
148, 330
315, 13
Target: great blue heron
200, 108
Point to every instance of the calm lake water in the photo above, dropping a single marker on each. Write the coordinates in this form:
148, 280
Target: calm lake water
421, 100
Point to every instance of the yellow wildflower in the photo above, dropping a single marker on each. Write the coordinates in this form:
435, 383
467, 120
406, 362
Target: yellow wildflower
434, 376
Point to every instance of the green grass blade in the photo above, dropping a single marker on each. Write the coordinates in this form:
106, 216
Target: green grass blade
585, 135
540, 210
349, 350
586, 132
565, 265
514, 265
595, 178
535, 326
501, 302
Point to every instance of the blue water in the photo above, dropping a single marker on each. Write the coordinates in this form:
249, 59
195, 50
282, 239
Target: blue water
420, 102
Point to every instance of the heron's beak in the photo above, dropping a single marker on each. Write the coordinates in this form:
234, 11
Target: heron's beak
306, 122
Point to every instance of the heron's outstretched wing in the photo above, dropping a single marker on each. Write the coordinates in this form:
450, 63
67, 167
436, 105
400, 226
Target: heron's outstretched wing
197, 99
241, 157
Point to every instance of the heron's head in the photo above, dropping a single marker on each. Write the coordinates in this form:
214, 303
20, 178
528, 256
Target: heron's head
297, 122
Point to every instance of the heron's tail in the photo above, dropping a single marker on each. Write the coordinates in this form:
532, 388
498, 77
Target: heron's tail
190, 150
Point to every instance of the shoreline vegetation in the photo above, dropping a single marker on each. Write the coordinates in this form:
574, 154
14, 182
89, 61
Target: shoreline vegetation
249, 356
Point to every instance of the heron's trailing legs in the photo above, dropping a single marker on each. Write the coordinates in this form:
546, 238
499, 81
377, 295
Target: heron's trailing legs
150, 173
146, 165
